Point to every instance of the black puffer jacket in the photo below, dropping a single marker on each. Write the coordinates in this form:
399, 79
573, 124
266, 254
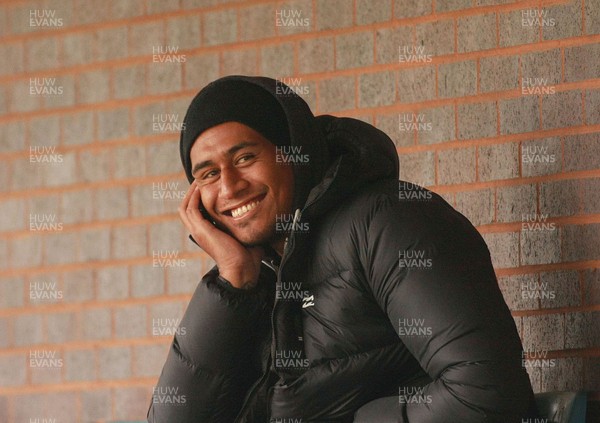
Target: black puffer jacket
383, 290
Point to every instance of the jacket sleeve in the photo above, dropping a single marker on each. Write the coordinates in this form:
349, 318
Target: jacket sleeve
430, 271
210, 365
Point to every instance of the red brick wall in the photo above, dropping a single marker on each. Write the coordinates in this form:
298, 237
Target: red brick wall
495, 104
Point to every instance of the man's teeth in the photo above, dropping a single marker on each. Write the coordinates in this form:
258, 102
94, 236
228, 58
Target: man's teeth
244, 209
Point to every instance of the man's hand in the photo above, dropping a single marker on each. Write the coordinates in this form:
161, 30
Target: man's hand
238, 264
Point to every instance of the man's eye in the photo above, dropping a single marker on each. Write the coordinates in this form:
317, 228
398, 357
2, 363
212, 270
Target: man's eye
209, 174
245, 158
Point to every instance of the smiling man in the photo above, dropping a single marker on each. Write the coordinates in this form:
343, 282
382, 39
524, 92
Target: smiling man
378, 303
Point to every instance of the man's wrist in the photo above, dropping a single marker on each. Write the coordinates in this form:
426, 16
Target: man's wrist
239, 278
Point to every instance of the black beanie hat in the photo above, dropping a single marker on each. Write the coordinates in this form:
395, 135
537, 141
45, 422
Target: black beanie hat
232, 101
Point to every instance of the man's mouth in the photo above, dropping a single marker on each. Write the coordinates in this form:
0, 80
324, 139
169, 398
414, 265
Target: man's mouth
245, 208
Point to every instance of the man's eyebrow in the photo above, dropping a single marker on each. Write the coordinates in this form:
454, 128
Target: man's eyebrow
230, 152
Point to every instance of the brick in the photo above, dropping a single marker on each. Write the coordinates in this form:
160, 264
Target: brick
129, 161
456, 166
111, 283
130, 403
13, 58
11, 292
46, 375
592, 378
60, 248
504, 248
457, 79
496, 162
78, 128
390, 41
514, 202
28, 329
147, 281
14, 215
149, 360
544, 65
566, 18
592, 107
376, 89
76, 207
127, 9
171, 311
372, 11
434, 36
590, 199
79, 365
128, 241
60, 174
592, 17
418, 167
519, 115
67, 98
208, 63
166, 236
513, 32
560, 198
114, 363
409, 8
477, 120
544, 332
20, 99
46, 205
95, 323
540, 247
112, 203
591, 278
44, 131
277, 60
580, 152
492, 2
565, 375
449, 5
477, 206
315, 55
390, 125
295, 16
12, 136
183, 280
257, 22
144, 37
78, 286
332, 14
164, 78
113, 123
336, 94
220, 27
95, 165
476, 32
78, 49
4, 259
499, 73
111, 43
441, 120
581, 62
541, 156
129, 82
580, 242
144, 115
96, 405
13, 370
130, 322
416, 84
580, 331
42, 54
26, 251
515, 288
4, 99
93, 87
239, 62
163, 159
161, 6
61, 327
565, 287
148, 200
562, 109
354, 50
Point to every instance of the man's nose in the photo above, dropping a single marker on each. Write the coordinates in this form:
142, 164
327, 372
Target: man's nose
232, 183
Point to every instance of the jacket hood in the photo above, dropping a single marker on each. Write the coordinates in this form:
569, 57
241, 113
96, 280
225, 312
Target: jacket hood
336, 155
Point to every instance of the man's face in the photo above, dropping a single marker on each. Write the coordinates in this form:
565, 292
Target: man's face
241, 185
